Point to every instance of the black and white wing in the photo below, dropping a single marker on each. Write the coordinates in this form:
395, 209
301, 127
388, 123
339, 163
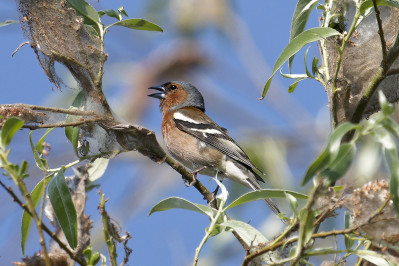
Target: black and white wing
212, 134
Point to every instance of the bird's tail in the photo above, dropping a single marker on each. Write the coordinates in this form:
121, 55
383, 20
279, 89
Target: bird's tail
252, 183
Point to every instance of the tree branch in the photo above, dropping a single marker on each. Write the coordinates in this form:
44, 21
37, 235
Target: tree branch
380, 32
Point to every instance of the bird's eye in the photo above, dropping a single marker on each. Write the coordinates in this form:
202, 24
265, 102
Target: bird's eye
173, 87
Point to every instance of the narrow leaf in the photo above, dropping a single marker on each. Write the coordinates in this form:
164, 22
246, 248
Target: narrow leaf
348, 242
122, 11
330, 152
315, 65
250, 235
10, 127
35, 195
180, 203
86, 10
137, 24
295, 45
306, 226
369, 4
299, 20
64, 208
7, 22
72, 133
263, 194
392, 162
386, 107
39, 144
39, 161
97, 168
306, 65
110, 13
293, 86
293, 203
373, 257
341, 163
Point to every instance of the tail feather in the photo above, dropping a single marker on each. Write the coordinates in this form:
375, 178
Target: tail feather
252, 183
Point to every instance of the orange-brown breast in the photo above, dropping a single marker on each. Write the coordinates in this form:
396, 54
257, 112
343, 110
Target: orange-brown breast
189, 150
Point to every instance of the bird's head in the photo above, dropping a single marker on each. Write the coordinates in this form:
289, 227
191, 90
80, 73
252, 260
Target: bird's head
178, 94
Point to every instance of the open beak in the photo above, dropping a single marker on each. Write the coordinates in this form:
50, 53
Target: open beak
159, 95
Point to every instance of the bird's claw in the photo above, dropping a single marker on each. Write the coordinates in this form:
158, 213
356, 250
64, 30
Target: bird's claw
192, 182
194, 175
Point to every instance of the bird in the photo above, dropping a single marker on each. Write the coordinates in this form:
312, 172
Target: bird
199, 143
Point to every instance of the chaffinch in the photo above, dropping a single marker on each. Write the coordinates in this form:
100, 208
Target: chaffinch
197, 142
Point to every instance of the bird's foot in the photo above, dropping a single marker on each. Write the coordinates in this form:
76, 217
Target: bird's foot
192, 182
194, 175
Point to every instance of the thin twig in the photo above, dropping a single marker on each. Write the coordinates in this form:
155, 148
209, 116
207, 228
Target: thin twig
43, 226
107, 237
70, 124
380, 32
19, 47
16, 177
51, 109
393, 72
304, 221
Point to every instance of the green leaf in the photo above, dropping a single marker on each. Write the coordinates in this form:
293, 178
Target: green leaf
180, 203
7, 22
392, 162
299, 20
72, 133
348, 242
293, 203
39, 144
250, 235
315, 65
22, 170
137, 24
64, 208
391, 125
122, 11
292, 87
263, 194
306, 226
330, 152
369, 4
40, 162
306, 65
97, 168
10, 127
110, 13
373, 257
87, 11
35, 195
341, 163
386, 107
295, 45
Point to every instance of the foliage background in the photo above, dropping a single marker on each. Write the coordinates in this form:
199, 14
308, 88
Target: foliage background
282, 130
